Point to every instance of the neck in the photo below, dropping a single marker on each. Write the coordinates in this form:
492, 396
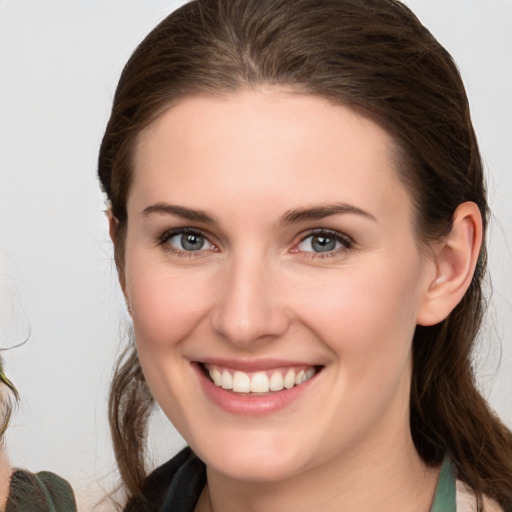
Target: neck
388, 477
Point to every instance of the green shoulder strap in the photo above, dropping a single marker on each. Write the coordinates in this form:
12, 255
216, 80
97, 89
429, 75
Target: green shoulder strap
445, 498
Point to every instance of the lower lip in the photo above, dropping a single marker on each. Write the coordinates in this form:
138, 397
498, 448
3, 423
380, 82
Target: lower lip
251, 405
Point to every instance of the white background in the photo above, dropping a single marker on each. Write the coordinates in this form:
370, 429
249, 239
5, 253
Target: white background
59, 63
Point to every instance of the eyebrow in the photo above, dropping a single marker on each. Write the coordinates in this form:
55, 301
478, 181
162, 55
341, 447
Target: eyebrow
179, 211
290, 217
321, 212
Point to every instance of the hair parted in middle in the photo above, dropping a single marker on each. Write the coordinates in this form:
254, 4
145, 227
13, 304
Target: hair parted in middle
372, 56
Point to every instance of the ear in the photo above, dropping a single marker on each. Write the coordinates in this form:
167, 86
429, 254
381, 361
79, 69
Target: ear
455, 258
113, 225
113, 229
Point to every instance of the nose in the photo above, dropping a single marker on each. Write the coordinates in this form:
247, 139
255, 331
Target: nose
249, 308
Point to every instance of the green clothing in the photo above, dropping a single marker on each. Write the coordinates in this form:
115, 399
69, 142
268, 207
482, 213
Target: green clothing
39, 492
445, 497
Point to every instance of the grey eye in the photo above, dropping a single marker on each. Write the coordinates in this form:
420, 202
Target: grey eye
188, 242
320, 243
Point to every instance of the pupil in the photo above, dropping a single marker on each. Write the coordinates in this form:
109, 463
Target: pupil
191, 242
323, 244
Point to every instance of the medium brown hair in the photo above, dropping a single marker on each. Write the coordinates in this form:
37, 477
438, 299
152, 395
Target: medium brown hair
9, 397
375, 57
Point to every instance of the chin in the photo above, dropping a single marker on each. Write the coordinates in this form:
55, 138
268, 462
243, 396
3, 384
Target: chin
254, 461
272, 469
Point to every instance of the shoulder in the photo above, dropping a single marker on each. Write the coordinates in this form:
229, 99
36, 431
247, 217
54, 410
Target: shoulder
466, 501
43, 491
174, 486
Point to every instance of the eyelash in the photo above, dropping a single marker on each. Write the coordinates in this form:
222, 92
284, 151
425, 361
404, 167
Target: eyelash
346, 241
165, 237
343, 239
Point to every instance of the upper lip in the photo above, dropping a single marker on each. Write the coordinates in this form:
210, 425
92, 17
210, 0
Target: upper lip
254, 365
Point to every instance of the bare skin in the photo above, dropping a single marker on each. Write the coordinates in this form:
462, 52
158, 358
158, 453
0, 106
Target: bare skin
5, 477
411, 490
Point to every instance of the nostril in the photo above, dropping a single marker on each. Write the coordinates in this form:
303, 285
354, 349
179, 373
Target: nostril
244, 328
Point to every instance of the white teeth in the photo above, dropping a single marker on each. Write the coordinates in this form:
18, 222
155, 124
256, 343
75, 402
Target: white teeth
241, 382
289, 379
259, 382
216, 377
227, 380
276, 382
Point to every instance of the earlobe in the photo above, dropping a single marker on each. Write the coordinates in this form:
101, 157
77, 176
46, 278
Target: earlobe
455, 259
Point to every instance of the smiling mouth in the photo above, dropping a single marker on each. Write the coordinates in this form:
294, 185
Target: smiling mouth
269, 381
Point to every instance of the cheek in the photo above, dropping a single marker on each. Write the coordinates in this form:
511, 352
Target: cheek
165, 306
367, 312
367, 321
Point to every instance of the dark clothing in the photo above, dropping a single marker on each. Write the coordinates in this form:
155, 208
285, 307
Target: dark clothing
175, 486
39, 492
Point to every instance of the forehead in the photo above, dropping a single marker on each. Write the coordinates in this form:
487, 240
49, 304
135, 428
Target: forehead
268, 146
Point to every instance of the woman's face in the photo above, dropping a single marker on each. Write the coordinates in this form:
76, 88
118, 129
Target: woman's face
271, 248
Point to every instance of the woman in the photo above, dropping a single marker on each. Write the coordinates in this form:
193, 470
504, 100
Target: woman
297, 207
21, 490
